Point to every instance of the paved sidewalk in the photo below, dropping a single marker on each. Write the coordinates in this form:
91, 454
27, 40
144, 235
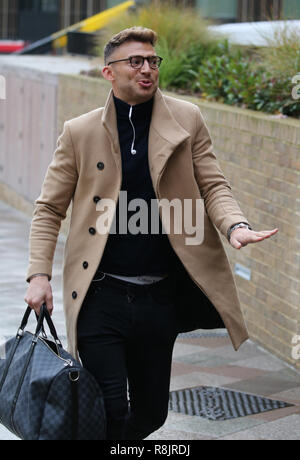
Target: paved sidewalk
205, 358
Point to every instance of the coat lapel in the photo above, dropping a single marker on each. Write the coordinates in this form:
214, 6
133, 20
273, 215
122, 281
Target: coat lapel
109, 120
165, 135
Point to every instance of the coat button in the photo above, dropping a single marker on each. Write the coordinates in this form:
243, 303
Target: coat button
92, 231
85, 265
74, 295
100, 166
96, 199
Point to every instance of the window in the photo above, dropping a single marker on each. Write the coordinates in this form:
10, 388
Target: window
291, 9
28, 4
49, 6
218, 9
45, 6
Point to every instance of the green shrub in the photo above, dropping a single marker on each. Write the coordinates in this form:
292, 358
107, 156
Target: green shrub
175, 71
221, 77
179, 27
183, 39
282, 55
281, 61
235, 78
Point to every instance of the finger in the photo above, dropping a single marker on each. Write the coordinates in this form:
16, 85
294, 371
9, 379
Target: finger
235, 243
35, 306
37, 309
267, 232
241, 242
50, 310
30, 304
49, 305
257, 239
261, 236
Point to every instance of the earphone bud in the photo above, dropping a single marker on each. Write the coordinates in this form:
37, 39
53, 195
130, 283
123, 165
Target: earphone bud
133, 151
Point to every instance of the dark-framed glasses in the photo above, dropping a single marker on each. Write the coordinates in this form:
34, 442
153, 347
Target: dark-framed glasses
137, 62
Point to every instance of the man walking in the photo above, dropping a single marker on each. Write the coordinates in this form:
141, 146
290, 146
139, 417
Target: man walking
127, 295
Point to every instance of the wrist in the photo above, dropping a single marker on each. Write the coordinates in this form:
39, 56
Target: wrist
39, 276
235, 226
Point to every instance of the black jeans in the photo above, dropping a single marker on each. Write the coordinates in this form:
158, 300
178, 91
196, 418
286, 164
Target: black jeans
126, 334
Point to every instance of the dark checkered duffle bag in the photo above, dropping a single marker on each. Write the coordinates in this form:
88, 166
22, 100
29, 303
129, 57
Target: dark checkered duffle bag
45, 394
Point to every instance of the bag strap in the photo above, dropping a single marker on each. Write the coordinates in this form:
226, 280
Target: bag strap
24, 320
19, 336
50, 324
75, 407
44, 314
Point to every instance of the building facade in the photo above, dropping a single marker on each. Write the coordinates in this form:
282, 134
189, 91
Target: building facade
34, 19
247, 10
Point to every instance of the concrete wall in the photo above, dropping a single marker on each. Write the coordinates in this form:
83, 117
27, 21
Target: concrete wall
259, 154
28, 128
78, 95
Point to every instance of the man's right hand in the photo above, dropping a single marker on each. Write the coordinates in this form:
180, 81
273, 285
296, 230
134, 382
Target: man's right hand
38, 293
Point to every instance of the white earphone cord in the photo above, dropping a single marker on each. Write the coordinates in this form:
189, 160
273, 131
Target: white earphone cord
133, 151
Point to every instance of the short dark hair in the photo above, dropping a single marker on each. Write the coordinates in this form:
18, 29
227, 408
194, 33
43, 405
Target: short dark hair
136, 33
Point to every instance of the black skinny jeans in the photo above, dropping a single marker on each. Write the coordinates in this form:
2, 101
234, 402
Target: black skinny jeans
126, 333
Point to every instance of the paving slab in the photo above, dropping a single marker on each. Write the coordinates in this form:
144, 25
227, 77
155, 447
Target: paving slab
204, 427
266, 363
264, 385
285, 429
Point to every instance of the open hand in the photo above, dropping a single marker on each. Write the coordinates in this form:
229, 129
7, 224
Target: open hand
240, 237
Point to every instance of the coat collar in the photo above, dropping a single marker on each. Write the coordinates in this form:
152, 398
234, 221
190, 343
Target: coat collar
165, 133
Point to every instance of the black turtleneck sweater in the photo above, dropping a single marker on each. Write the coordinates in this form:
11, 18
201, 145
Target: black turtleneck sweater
140, 254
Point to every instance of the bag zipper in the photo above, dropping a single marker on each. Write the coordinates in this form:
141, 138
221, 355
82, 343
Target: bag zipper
67, 362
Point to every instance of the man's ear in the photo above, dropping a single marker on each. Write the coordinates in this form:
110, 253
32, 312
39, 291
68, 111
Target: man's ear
107, 73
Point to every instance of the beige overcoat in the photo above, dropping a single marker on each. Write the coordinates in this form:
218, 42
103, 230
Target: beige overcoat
87, 164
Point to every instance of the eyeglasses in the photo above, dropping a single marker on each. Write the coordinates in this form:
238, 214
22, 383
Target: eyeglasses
137, 62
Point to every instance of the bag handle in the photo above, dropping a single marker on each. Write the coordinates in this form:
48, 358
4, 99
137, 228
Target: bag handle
44, 314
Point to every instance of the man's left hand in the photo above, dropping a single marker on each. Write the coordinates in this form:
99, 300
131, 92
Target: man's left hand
240, 237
